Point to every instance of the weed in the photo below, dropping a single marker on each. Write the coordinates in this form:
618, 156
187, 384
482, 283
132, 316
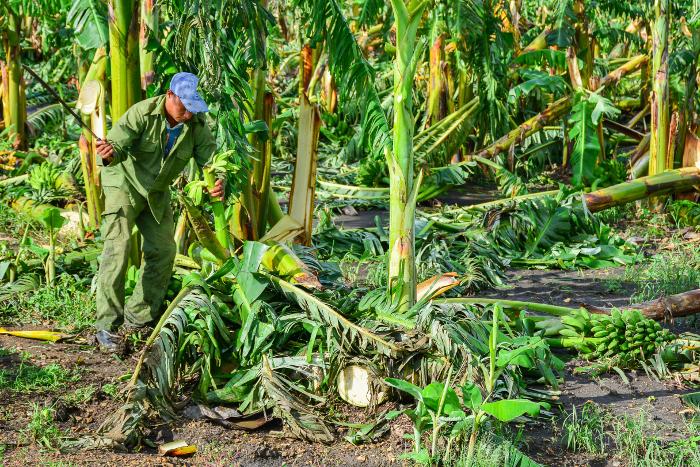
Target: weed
639, 448
42, 428
80, 395
110, 389
70, 305
665, 274
585, 430
29, 378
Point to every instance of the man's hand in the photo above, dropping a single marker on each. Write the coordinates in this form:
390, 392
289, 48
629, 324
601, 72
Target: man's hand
105, 150
218, 190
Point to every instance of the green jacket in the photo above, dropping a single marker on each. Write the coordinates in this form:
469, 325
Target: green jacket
138, 139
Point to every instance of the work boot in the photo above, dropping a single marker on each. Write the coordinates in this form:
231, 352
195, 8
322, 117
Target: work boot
106, 341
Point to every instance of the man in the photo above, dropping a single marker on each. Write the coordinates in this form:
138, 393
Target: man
143, 153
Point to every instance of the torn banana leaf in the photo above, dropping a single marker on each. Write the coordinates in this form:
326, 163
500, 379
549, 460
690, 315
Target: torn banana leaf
284, 230
436, 286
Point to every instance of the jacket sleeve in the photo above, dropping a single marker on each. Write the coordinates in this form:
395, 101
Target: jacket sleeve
204, 145
126, 132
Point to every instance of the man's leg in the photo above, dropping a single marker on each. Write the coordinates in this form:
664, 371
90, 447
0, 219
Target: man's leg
117, 222
158, 258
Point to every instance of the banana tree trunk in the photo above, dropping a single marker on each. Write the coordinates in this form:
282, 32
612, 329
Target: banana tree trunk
402, 184
671, 181
583, 41
98, 67
688, 107
302, 196
660, 106
249, 219
124, 55
219, 211
149, 28
14, 111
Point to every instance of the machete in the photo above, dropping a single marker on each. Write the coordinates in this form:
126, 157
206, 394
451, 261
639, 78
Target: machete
58, 98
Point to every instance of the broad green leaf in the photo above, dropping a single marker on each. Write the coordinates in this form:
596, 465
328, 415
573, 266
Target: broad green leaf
405, 386
509, 409
603, 107
252, 285
432, 394
540, 81
471, 395
252, 256
52, 218
586, 145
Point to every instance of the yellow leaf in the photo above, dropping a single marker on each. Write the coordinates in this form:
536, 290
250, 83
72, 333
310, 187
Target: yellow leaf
39, 335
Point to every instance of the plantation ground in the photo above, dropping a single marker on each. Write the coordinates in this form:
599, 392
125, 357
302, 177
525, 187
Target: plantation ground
86, 389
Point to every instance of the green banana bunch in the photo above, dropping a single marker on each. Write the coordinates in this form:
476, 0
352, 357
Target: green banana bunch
44, 177
627, 335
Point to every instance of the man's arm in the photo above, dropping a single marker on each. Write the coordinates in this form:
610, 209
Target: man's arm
122, 136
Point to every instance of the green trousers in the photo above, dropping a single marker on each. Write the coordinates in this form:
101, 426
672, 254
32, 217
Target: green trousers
123, 209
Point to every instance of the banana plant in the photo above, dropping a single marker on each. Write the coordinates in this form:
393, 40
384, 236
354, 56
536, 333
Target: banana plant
660, 105
52, 220
403, 184
14, 101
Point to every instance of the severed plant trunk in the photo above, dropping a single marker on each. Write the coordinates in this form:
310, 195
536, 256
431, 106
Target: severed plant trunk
402, 184
148, 29
302, 196
660, 105
91, 103
673, 306
671, 181
124, 55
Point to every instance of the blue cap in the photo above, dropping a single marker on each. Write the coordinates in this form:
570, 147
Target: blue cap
184, 86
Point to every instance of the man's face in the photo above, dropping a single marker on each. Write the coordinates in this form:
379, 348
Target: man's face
176, 109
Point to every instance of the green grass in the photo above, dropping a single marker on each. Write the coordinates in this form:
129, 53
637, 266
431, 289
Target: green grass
42, 428
666, 273
69, 306
631, 439
584, 429
30, 378
637, 444
493, 449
